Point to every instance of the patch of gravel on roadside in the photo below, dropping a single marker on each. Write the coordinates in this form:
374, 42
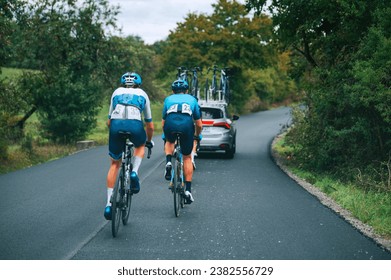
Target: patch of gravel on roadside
330, 203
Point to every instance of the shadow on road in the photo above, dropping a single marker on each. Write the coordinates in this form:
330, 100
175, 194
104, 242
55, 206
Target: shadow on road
212, 155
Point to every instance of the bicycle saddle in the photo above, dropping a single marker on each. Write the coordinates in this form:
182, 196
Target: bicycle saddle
125, 134
176, 133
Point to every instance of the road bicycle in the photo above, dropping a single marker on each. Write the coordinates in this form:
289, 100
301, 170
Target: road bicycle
121, 199
224, 84
211, 92
194, 82
183, 74
177, 183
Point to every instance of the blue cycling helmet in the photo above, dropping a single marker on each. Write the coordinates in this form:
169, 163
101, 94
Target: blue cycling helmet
179, 86
131, 79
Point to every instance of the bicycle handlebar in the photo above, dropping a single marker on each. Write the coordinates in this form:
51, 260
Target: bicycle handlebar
215, 69
197, 68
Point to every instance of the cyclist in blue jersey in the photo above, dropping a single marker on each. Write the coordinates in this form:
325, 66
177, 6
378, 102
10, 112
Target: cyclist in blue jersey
127, 104
180, 113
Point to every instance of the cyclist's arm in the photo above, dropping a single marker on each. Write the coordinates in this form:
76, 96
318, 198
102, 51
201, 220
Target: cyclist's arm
110, 110
149, 130
164, 112
198, 127
197, 119
148, 118
147, 109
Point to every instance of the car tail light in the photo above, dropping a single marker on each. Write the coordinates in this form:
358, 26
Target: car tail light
205, 122
222, 124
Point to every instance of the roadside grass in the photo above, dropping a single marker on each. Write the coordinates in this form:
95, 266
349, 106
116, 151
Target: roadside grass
19, 157
371, 207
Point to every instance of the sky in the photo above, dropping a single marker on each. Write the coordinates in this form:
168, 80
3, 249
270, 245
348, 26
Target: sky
152, 20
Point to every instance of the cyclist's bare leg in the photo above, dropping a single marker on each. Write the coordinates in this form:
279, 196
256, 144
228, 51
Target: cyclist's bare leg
111, 177
112, 174
194, 153
169, 148
188, 168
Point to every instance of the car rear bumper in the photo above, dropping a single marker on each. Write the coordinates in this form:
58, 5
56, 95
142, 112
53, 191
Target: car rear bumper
214, 144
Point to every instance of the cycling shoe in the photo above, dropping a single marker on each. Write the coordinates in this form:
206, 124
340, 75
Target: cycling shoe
188, 197
107, 213
134, 183
167, 173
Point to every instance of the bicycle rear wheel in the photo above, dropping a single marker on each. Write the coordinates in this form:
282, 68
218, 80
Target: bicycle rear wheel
116, 203
176, 187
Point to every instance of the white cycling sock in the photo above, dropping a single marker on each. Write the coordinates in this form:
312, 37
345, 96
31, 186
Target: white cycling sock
136, 163
109, 193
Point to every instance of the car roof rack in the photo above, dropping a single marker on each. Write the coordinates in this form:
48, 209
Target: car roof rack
209, 100
217, 103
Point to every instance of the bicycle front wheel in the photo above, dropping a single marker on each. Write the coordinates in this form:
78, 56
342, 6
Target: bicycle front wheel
176, 186
116, 203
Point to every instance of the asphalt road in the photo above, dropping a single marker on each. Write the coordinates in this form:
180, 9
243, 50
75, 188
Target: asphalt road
245, 208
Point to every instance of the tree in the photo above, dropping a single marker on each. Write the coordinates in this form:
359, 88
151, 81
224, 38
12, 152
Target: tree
228, 38
346, 125
323, 31
65, 41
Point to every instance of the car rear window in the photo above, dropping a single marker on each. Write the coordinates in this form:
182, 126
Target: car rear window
211, 113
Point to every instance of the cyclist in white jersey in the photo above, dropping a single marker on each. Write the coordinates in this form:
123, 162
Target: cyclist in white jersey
127, 105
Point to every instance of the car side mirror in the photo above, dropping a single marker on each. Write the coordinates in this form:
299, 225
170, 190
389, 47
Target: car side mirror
235, 117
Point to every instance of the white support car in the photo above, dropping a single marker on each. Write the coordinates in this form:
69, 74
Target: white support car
218, 128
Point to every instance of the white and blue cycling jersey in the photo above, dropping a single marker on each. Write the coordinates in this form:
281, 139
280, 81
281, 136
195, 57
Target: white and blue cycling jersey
128, 103
125, 110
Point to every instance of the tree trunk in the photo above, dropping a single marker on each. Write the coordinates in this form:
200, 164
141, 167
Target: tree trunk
23, 120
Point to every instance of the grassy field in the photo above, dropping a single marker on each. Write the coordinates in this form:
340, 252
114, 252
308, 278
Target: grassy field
34, 149
372, 208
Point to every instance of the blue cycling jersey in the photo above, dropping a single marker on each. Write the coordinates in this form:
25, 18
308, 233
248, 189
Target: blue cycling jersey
181, 103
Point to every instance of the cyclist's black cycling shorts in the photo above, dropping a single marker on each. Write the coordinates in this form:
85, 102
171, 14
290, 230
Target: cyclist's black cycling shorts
177, 122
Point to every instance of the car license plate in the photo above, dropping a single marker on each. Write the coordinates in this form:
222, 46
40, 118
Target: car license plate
205, 129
